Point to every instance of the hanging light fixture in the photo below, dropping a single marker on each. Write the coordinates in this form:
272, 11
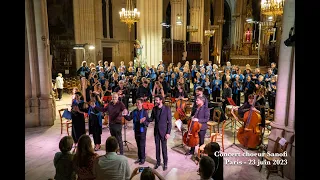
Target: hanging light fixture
179, 19
210, 32
129, 15
272, 7
192, 29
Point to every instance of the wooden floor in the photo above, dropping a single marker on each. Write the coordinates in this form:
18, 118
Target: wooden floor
42, 143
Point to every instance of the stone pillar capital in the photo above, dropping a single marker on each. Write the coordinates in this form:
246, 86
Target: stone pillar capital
175, 1
194, 9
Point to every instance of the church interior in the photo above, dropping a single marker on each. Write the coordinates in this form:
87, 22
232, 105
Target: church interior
235, 38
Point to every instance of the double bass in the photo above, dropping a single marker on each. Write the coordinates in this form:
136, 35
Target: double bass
191, 137
249, 135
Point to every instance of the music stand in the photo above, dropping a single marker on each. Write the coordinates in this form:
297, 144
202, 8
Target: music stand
125, 142
233, 120
182, 144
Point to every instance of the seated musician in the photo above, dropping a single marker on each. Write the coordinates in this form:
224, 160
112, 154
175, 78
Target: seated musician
143, 91
202, 116
181, 105
247, 105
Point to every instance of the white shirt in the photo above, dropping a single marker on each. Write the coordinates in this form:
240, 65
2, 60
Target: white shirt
59, 82
112, 167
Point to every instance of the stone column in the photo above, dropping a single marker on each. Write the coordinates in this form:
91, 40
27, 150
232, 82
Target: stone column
84, 29
206, 25
284, 71
32, 113
42, 34
196, 19
219, 20
98, 30
289, 129
107, 18
233, 31
150, 30
179, 7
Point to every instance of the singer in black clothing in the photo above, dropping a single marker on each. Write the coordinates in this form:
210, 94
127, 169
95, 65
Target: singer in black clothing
123, 93
202, 116
140, 123
162, 116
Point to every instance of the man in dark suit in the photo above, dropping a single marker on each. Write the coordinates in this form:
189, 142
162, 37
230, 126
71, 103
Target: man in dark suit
201, 115
162, 116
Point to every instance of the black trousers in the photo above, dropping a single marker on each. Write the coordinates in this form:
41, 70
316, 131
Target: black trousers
116, 131
158, 139
202, 133
215, 94
96, 138
134, 96
141, 144
125, 101
59, 93
236, 98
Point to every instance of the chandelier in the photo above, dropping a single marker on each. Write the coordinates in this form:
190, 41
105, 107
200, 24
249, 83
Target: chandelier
272, 7
129, 15
192, 29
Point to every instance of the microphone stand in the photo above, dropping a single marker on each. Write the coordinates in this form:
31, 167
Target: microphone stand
125, 142
125, 137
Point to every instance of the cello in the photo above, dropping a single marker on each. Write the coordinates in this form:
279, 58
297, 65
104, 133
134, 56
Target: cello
191, 137
249, 135
180, 110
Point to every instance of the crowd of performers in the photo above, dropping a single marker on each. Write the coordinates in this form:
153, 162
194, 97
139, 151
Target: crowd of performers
106, 89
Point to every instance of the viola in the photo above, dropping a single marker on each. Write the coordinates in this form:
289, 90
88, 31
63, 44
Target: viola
249, 135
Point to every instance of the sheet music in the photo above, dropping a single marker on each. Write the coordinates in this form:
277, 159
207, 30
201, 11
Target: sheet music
178, 124
282, 141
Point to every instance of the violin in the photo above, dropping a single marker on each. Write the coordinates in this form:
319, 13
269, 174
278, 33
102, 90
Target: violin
249, 135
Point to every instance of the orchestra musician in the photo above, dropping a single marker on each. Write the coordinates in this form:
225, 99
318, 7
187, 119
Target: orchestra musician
181, 98
162, 116
226, 93
247, 105
143, 91
114, 109
201, 115
199, 93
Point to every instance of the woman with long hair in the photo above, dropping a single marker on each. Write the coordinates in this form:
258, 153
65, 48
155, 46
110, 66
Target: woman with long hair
84, 158
158, 89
